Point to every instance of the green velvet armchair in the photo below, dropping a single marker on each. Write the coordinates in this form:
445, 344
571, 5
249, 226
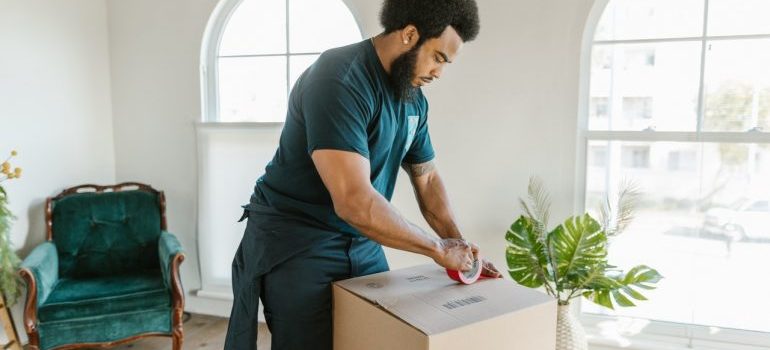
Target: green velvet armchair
108, 273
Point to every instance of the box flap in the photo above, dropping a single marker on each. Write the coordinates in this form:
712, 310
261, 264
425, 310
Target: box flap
426, 298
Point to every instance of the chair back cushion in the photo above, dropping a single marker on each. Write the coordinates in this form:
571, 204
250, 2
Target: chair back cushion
106, 233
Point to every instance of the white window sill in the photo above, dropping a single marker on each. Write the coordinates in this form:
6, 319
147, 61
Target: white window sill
237, 125
652, 342
605, 333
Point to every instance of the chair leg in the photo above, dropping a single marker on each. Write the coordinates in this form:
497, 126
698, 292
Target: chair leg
177, 340
33, 340
177, 337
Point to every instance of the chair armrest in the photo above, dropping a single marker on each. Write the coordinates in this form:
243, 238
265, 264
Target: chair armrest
171, 255
41, 271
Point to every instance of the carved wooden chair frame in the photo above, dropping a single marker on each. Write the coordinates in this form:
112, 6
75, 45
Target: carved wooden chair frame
177, 294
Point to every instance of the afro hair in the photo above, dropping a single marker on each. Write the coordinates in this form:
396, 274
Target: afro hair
431, 17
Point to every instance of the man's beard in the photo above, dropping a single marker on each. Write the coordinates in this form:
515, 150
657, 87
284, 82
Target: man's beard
402, 74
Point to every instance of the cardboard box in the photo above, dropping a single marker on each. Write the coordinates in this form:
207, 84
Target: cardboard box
420, 308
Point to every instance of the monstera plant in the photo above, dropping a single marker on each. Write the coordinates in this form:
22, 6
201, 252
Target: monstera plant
570, 260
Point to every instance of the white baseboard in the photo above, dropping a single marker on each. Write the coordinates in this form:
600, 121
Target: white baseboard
214, 303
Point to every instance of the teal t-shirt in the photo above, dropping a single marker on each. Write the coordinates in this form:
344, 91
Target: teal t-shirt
342, 102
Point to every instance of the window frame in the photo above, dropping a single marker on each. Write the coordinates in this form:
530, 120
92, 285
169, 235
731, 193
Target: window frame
209, 67
655, 334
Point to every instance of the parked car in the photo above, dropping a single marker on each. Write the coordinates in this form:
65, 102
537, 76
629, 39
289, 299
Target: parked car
744, 219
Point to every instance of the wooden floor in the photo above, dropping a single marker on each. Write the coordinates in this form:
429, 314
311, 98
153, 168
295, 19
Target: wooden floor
200, 333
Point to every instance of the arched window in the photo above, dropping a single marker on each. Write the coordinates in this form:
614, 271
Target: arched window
257, 49
252, 53
676, 97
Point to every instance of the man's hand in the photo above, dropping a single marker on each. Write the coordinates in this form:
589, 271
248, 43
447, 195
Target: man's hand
455, 254
490, 270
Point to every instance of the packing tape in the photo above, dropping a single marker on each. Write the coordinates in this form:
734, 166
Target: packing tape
467, 277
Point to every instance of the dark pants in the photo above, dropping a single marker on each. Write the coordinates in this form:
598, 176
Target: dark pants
296, 293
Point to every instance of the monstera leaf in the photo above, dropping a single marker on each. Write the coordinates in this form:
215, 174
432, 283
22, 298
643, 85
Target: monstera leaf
604, 289
526, 254
579, 246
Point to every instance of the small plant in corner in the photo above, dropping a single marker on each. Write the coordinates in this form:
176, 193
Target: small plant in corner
10, 282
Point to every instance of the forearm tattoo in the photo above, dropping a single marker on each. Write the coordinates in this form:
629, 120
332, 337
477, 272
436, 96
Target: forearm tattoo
417, 170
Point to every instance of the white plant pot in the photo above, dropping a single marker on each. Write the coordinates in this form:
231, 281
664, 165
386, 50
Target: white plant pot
570, 334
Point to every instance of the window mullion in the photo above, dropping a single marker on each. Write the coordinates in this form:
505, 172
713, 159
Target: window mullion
678, 136
271, 55
702, 82
288, 51
682, 39
645, 41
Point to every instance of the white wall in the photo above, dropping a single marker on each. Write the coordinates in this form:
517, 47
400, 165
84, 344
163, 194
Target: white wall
507, 109
155, 50
55, 106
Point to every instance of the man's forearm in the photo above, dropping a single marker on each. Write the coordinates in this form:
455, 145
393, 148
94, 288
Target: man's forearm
375, 217
433, 199
434, 205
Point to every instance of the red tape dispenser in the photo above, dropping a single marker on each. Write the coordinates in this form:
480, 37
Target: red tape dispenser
470, 276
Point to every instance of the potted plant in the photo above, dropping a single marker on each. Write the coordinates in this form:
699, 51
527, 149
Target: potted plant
570, 260
10, 282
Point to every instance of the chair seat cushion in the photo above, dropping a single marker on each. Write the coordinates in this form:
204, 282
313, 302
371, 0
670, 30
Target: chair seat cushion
77, 298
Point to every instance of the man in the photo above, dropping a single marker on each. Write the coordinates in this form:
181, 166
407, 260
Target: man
321, 211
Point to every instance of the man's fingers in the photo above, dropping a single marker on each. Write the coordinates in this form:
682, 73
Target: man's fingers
467, 266
492, 273
475, 250
491, 270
